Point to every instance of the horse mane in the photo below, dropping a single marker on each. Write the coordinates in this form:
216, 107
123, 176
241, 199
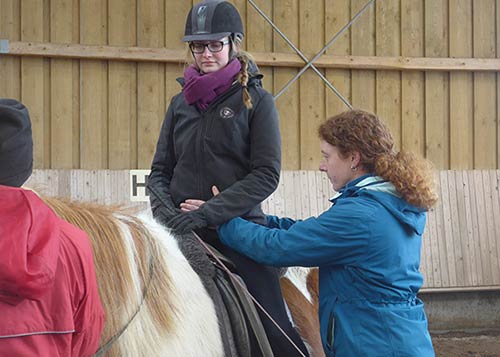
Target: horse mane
131, 272
155, 303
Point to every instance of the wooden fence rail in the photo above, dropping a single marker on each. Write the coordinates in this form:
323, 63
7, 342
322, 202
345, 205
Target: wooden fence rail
273, 59
461, 245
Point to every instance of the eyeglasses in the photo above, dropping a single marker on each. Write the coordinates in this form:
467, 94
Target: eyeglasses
214, 46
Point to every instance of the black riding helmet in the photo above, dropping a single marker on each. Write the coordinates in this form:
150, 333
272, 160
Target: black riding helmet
212, 20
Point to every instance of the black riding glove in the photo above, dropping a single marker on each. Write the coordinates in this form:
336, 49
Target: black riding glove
164, 215
186, 222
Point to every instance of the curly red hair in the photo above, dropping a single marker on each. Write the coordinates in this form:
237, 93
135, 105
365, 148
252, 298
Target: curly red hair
364, 132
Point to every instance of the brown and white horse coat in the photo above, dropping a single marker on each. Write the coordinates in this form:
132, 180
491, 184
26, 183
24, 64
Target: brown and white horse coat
155, 304
147, 287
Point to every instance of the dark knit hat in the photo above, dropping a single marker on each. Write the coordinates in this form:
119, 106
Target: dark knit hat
16, 143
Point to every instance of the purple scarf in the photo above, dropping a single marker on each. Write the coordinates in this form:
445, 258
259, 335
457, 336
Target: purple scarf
202, 88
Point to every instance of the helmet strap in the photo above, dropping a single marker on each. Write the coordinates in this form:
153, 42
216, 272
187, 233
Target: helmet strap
233, 43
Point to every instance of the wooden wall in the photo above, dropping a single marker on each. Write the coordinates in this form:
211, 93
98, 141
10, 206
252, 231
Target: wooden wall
460, 246
98, 113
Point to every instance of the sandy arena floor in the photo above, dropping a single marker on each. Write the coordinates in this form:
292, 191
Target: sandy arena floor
457, 344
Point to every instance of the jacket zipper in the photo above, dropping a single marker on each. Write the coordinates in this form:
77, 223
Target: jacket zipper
200, 140
330, 332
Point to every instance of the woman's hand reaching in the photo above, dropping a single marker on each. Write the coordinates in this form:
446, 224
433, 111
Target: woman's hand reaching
193, 204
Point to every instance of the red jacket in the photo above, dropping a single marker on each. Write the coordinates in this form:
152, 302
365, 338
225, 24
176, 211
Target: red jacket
49, 304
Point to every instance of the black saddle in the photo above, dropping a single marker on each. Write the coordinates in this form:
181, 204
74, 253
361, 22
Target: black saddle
248, 332
242, 331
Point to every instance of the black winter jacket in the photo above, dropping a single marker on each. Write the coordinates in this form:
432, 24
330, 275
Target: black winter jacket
229, 146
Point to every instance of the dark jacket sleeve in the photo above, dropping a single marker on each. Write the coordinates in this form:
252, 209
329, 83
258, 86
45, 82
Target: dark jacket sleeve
162, 169
265, 165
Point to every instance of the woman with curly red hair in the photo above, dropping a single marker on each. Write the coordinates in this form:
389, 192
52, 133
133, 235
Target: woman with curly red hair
367, 245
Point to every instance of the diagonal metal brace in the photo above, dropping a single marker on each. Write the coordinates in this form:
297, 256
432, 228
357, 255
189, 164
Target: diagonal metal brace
304, 58
328, 45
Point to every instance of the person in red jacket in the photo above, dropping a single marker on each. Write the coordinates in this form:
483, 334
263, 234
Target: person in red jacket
49, 303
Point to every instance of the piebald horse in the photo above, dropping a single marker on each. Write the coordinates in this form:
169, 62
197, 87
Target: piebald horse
155, 303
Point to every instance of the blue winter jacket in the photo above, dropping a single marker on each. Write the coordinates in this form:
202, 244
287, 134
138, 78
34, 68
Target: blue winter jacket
367, 247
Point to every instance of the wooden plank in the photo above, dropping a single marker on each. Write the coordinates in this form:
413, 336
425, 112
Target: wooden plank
426, 263
461, 91
273, 202
476, 243
328, 189
471, 218
440, 254
495, 188
265, 59
434, 272
279, 204
460, 228
10, 67
122, 90
412, 83
484, 245
151, 81
498, 83
175, 19
259, 36
312, 89
81, 181
309, 199
34, 71
490, 194
43, 182
437, 86
109, 187
454, 267
64, 91
289, 205
288, 103
94, 88
295, 197
313, 193
485, 112
388, 84
363, 44
337, 15
301, 191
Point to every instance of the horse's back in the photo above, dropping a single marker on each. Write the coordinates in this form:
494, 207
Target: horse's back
155, 303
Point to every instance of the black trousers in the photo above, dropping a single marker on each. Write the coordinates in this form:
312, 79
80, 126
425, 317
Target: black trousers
263, 283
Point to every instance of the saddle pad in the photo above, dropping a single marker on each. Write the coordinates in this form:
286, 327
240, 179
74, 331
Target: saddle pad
245, 320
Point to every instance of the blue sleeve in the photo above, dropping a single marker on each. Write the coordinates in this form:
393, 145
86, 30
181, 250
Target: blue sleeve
338, 236
276, 222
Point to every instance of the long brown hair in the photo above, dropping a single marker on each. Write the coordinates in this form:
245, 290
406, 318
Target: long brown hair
364, 132
245, 58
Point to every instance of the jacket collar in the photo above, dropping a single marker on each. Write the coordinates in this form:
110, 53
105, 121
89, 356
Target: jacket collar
385, 193
355, 185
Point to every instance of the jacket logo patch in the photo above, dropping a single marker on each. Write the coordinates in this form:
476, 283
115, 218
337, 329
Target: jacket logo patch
226, 113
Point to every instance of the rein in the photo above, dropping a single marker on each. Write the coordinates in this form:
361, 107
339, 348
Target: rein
104, 348
229, 272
